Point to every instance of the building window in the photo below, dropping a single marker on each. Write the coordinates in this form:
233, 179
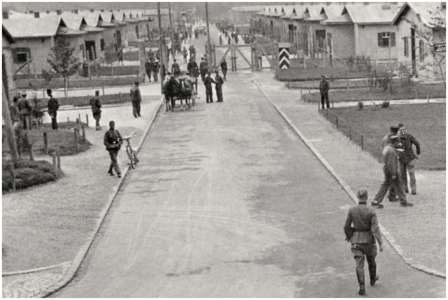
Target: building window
406, 46
21, 55
102, 44
421, 47
386, 39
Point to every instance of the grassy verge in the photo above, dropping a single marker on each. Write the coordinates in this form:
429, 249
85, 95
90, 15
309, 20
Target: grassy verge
85, 100
301, 74
418, 91
27, 174
426, 122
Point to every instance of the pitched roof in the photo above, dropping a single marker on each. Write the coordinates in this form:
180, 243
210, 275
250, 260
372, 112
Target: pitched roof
431, 14
376, 13
312, 13
7, 35
33, 27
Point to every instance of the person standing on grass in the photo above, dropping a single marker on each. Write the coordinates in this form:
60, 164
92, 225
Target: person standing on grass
324, 87
136, 99
113, 141
25, 111
392, 178
95, 104
218, 86
53, 107
407, 156
148, 68
362, 231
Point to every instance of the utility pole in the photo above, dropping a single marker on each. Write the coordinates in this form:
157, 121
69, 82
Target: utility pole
161, 48
7, 117
172, 30
209, 47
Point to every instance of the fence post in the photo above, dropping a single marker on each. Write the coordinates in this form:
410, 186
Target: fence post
58, 159
83, 132
76, 135
87, 120
45, 142
337, 122
31, 151
13, 176
362, 142
55, 161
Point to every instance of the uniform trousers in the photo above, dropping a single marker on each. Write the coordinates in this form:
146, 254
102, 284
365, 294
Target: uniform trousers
114, 161
388, 184
368, 251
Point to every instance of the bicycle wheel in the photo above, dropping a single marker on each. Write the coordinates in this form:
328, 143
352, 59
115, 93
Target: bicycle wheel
131, 160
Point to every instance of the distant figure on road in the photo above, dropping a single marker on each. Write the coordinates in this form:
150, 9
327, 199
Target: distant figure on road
95, 104
392, 177
324, 86
14, 110
224, 68
185, 54
203, 68
218, 86
193, 71
25, 108
148, 67
229, 40
407, 157
113, 141
208, 88
361, 230
155, 69
136, 99
53, 106
175, 69
220, 40
386, 139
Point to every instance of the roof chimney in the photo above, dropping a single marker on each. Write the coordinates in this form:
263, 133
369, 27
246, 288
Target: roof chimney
36, 14
59, 12
76, 11
5, 14
92, 10
385, 6
102, 10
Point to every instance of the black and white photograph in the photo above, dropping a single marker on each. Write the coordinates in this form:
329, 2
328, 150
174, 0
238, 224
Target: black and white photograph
224, 149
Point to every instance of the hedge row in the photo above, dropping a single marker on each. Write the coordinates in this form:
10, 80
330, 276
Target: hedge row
85, 100
118, 70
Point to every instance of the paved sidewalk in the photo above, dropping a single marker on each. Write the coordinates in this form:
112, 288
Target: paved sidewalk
47, 225
419, 231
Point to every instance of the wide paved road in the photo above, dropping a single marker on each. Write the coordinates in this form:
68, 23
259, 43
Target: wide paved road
228, 202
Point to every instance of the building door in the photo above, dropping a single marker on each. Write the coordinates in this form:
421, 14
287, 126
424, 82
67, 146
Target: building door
118, 38
90, 49
320, 43
414, 68
330, 47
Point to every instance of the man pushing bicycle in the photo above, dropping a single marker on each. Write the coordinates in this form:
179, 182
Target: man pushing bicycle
113, 141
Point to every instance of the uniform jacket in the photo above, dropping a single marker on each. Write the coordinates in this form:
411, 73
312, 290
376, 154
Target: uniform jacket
324, 86
193, 69
408, 154
112, 139
361, 225
14, 111
218, 82
53, 105
390, 158
95, 104
224, 65
203, 66
175, 68
135, 95
24, 106
208, 82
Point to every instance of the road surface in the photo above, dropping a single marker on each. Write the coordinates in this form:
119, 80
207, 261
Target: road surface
228, 202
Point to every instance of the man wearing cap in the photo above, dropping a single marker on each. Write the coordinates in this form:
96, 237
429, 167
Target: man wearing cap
136, 100
362, 231
392, 177
113, 141
324, 87
407, 157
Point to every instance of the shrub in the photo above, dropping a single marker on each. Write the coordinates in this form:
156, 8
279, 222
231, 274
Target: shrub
360, 105
385, 104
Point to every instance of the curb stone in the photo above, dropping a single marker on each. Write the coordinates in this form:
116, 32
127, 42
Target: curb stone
69, 269
349, 191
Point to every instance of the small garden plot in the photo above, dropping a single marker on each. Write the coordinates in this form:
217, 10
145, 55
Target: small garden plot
417, 91
27, 173
426, 122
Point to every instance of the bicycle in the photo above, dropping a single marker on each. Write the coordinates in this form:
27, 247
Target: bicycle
132, 154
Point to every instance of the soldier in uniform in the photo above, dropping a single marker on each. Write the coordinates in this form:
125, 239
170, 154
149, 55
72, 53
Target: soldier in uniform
224, 68
175, 69
193, 71
136, 99
203, 68
218, 86
25, 111
324, 87
208, 88
95, 104
361, 230
407, 156
53, 106
113, 141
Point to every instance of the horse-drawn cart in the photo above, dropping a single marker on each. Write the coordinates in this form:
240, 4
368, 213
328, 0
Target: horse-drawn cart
179, 89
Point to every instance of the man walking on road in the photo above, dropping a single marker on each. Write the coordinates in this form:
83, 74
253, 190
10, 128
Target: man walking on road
113, 141
224, 68
218, 86
175, 69
392, 177
208, 88
203, 68
324, 86
136, 99
406, 159
362, 230
95, 104
193, 72
53, 106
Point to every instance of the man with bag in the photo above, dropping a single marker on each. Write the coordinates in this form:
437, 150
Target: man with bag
53, 106
113, 141
95, 104
362, 230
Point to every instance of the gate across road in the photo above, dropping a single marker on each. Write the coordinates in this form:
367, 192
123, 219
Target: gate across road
251, 54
